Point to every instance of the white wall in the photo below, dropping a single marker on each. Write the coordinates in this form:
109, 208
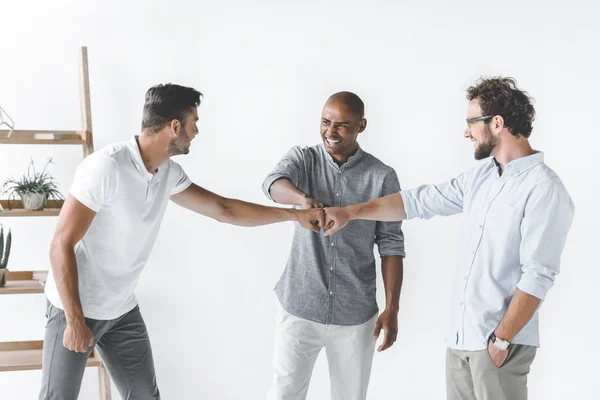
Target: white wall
265, 69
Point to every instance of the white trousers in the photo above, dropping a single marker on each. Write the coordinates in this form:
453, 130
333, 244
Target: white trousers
298, 342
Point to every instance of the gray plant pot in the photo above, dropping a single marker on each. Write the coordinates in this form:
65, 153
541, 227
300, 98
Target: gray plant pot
33, 201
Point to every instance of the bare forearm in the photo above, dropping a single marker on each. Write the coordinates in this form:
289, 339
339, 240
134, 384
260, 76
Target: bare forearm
388, 208
241, 213
64, 270
520, 310
283, 191
392, 271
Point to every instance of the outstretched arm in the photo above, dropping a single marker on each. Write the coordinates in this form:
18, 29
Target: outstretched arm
242, 213
388, 208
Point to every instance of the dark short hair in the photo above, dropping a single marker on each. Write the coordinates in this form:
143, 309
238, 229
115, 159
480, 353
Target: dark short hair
351, 100
500, 96
164, 103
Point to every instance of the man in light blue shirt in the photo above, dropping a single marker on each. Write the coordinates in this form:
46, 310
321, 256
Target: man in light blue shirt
517, 216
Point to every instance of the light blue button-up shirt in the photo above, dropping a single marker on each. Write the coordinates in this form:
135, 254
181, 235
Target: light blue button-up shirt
514, 233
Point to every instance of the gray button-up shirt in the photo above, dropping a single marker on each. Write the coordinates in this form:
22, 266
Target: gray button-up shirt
331, 280
514, 233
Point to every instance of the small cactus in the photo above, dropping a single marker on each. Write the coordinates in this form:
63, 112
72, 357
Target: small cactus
4, 249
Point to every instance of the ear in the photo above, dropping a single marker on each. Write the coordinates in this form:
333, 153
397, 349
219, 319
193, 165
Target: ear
497, 124
362, 125
175, 127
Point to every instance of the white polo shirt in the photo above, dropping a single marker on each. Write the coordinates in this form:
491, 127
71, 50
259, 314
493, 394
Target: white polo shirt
129, 203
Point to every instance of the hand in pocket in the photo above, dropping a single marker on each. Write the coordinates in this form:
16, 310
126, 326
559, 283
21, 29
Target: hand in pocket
497, 356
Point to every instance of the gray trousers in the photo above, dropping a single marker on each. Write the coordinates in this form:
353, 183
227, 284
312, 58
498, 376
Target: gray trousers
123, 344
471, 375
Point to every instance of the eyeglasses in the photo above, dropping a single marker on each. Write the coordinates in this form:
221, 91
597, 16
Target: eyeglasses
470, 121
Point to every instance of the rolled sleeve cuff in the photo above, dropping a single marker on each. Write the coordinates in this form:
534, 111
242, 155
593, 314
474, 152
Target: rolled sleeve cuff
535, 286
269, 182
392, 252
410, 206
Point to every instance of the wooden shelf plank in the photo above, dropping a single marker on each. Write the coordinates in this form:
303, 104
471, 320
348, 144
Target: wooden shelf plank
14, 208
24, 282
49, 212
37, 137
25, 356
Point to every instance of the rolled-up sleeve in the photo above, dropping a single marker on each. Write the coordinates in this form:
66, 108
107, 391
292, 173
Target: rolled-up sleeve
388, 235
291, 167
547, 220
443, 199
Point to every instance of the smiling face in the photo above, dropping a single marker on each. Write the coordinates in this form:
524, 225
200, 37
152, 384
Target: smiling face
479, 132
340, 126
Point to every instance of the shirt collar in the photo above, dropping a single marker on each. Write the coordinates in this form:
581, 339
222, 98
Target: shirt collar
522, 164
352, 160
136, 157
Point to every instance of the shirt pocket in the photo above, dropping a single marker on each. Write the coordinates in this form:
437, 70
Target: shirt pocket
503, 221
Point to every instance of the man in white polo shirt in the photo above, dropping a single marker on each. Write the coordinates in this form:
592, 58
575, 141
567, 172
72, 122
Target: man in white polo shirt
104, 234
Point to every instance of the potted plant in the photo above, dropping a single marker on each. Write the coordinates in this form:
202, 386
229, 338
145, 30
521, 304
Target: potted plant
4, 254
34, 188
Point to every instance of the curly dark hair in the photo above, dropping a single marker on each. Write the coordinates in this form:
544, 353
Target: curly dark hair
500, 96
164, 103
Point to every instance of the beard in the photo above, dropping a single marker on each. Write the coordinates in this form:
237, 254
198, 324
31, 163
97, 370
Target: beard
485, 148
179, 145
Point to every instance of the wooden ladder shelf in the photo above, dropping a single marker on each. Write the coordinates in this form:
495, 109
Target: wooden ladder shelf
23, 356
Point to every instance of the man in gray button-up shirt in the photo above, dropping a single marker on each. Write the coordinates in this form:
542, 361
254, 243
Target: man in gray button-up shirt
327, 291
517, 216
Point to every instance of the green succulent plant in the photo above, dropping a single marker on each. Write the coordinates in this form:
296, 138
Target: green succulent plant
33, 182
4, 247
4, 254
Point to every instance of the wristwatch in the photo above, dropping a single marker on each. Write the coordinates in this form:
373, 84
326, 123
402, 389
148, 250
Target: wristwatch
499, 343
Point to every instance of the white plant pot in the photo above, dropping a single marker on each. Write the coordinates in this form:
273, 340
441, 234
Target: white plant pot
33, 201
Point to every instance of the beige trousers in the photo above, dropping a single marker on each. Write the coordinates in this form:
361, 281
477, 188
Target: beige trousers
471, 375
